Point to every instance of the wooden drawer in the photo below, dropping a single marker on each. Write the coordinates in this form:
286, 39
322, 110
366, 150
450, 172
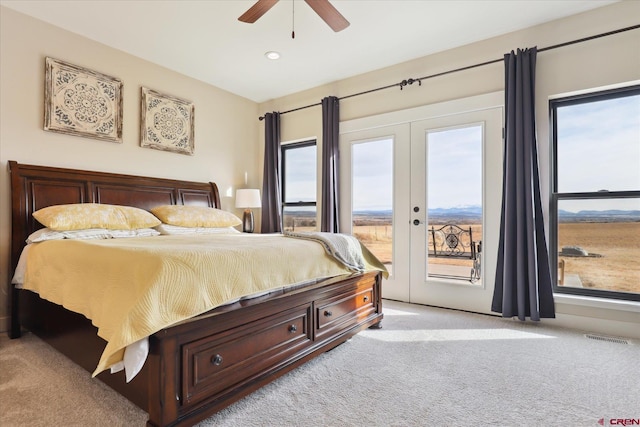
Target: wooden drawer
345, 310
230, 359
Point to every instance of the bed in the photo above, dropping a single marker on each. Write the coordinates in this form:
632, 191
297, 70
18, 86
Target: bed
197, 367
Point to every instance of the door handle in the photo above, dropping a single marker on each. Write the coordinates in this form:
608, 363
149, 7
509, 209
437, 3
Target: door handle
417, 222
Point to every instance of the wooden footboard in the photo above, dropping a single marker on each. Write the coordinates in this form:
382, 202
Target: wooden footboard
203, 366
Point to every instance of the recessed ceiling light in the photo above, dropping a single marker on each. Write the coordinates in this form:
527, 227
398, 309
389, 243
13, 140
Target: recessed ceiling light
272, 54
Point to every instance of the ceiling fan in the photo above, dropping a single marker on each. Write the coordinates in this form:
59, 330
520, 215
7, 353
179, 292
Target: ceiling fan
323, 8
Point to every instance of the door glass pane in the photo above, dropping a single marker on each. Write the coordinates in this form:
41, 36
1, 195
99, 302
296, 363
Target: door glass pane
454, 200
599, 244
596, 135
372, 197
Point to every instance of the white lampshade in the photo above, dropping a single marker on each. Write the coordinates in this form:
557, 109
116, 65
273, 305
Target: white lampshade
248, 198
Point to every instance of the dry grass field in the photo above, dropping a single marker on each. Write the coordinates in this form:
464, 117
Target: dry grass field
378, 239
617, 269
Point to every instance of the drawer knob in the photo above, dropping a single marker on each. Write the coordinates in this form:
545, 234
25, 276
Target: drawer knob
328, 313
366, 299
216, 360
293, 328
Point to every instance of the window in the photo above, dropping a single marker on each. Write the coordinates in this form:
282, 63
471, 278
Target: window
595, 204
454, 200
299, 169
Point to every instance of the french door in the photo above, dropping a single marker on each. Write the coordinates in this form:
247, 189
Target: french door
373, 172
423, 193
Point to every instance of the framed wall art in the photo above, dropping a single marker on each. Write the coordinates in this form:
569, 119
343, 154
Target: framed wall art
166, 122
82, 102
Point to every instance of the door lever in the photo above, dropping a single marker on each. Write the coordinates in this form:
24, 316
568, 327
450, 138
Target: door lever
417, 222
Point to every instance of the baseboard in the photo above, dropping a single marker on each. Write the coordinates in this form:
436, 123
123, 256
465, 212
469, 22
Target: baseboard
4, 324
615, 328
598, 315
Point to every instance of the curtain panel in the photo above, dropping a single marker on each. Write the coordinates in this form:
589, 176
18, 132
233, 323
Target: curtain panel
523, 285
271, 200
330, 163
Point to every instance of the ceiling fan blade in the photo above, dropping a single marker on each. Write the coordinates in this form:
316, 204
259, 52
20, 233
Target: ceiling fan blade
256, 11
329, 14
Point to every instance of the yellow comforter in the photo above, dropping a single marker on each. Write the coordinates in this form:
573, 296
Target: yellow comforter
132, 288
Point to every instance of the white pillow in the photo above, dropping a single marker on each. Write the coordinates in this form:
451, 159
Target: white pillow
87, 234
168, 229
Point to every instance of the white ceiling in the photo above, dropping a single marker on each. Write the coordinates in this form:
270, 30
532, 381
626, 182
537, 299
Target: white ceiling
204, 39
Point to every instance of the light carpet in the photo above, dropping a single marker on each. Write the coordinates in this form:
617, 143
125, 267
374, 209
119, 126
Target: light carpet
426, 367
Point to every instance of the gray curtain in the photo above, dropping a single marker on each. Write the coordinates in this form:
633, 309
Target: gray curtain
271, 200
330, 164
523, 277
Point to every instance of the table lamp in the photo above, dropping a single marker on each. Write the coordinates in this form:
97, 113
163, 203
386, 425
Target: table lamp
246, 199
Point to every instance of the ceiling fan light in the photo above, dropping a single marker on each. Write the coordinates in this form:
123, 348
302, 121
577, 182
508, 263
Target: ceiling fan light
272, 54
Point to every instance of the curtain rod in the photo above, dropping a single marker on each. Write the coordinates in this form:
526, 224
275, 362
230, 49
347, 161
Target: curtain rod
411, 81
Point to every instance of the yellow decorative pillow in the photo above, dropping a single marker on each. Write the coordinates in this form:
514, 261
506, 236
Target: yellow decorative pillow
81, 216
195, 216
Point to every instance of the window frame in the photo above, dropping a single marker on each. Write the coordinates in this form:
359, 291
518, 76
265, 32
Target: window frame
556, 196
283, 184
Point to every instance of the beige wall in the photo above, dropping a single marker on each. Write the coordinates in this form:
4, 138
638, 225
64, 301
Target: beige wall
225, 146
602, 62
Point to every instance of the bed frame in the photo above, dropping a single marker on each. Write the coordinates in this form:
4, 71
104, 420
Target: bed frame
198, 367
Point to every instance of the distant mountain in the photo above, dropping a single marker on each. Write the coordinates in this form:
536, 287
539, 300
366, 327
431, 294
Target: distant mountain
373, 212
470, 211
610, 212
600, 216
457, 215
455, 211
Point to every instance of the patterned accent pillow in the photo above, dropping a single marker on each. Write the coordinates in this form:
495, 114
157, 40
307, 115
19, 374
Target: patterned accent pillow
195, 216
81, 216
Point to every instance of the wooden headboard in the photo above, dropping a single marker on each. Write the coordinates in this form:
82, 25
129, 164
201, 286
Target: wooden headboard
36, 187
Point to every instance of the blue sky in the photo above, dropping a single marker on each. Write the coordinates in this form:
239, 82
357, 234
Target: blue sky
596, 136
599, 149
372, 164
454, 167
300, 174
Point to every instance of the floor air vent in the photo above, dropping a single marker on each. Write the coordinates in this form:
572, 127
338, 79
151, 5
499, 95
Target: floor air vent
606, 338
